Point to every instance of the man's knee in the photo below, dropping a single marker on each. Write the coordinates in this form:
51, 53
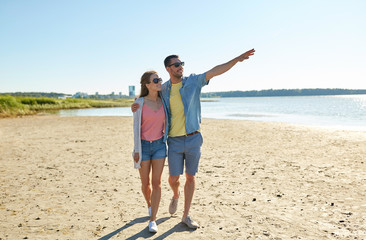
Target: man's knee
190, 178
174, 179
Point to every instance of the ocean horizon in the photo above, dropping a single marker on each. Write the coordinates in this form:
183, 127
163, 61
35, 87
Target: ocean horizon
347, 112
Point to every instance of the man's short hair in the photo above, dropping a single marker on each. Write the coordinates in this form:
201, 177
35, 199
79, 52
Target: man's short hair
168, 58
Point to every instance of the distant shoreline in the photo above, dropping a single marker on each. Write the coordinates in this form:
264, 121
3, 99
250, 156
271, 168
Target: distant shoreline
30, 103
285, 92
250, 93
11, 106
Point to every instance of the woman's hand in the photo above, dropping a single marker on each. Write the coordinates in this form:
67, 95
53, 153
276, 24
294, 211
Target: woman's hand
134, 107
136, 157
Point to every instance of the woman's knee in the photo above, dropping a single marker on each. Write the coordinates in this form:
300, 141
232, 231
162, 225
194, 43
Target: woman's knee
156, 184
145, 186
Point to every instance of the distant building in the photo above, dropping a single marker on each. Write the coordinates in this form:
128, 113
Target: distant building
80, 95
131, 91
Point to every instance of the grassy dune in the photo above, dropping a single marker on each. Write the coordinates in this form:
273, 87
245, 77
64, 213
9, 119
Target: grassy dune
19, 106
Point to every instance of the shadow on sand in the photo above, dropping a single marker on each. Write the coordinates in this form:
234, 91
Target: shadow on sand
144, 233
180, 227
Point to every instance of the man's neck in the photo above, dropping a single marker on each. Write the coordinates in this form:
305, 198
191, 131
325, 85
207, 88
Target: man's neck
175, 80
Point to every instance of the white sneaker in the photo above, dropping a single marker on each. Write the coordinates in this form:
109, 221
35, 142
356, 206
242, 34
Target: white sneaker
149, 211
190, 222
173, 205
153, 227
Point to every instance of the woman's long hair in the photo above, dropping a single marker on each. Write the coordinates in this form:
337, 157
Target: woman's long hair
145, 79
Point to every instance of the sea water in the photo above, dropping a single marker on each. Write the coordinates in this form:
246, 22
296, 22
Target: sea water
341, 111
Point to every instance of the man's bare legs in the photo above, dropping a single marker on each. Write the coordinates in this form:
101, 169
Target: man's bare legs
188, 190
188, 193
174, 184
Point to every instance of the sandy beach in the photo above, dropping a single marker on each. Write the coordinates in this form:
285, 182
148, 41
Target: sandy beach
73, 178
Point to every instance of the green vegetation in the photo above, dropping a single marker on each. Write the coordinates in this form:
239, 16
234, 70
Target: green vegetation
11, 106
36, 94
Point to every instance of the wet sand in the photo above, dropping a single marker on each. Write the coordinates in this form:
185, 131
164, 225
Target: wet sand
73, 178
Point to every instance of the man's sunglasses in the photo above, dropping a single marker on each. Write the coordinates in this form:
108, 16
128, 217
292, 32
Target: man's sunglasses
177, 64
157, 80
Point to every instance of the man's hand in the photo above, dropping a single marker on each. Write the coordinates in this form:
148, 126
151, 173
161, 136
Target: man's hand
220, 69
246, 55
134, 107
136, 157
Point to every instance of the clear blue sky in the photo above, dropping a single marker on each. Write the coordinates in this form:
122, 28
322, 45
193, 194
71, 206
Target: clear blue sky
85, 45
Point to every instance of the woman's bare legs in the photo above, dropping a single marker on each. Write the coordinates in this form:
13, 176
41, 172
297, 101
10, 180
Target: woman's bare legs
157, 170
145, 181
153, 197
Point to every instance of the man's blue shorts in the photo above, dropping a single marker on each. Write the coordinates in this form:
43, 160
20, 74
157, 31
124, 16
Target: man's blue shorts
184, 150
153, 149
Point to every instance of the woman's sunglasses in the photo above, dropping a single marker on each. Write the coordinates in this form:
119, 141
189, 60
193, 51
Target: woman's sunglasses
177, 64
157, 80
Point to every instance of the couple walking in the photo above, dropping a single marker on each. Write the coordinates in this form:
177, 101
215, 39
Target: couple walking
171, 112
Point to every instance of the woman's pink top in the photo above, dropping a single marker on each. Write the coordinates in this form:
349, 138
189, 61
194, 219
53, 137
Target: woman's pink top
152, 123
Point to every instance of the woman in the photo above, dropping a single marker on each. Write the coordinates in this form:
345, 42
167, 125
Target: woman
150, 133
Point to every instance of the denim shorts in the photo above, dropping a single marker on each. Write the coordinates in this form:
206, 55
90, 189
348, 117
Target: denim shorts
153, 149
184, 151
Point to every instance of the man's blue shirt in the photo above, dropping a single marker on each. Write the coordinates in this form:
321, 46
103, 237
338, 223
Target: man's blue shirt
190, 93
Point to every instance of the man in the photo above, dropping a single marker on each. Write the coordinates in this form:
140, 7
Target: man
182, 97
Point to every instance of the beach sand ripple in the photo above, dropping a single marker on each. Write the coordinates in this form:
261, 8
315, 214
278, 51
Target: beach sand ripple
73, 178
